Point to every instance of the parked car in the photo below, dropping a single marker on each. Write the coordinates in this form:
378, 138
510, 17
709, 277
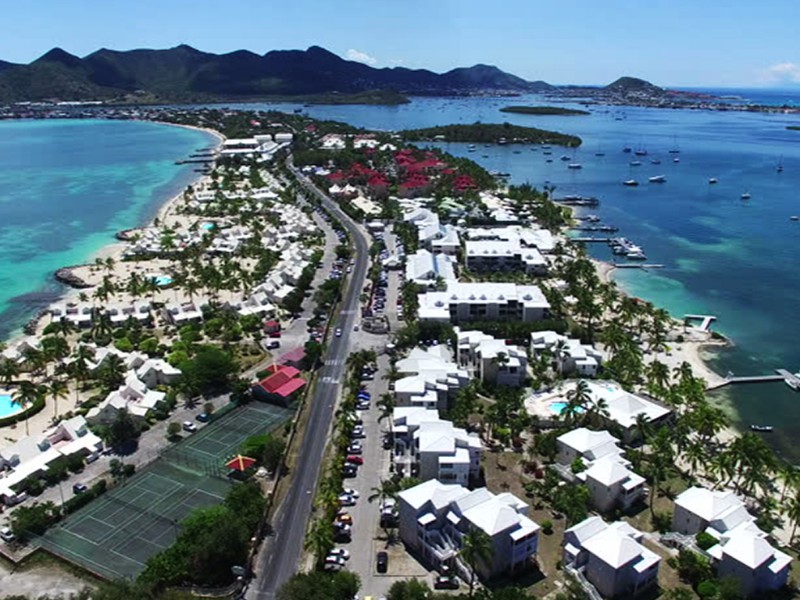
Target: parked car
355, 448
345, 500
340, 552
358, 431
203, 417
7, 535
334, 559
446, 582
349, 470
351, 492
189, 426
382, 562
338, 332
273, 344
345, 518
79, 488
354, 459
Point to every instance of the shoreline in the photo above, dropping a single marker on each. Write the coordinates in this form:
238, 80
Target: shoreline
689, 350
114, 249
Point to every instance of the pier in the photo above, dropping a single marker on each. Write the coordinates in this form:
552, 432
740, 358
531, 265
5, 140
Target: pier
705, 320
590, 239
639, 266
792, 380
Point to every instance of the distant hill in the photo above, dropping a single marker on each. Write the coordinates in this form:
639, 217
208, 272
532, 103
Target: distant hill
185, 74
626, 85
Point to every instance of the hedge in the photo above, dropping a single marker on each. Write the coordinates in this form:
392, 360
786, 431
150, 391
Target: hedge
36, 407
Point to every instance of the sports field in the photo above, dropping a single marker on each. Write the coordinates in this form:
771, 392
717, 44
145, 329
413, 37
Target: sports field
115, 535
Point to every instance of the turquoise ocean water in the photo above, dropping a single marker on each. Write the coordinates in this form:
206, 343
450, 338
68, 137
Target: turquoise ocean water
723, 256
66, 187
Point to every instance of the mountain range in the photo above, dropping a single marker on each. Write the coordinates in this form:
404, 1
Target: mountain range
184, 74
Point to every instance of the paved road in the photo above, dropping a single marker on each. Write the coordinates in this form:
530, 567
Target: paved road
279, 557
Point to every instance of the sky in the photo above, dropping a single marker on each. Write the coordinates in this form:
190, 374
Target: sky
688, 43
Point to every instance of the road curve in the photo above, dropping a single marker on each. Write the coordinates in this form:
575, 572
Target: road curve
279, 558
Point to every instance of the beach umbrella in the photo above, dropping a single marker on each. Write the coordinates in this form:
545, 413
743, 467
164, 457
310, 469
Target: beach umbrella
240, 463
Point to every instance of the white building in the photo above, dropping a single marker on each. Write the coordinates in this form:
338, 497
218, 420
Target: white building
426, 269
428, 447
526, 237
608, 476
155, 371
431, 233
486, 301
491, 359
182, 313
133, 395
32, 454
434, 517
503, 255
624, 407
569, 356
428, 378
743, 551
612, 557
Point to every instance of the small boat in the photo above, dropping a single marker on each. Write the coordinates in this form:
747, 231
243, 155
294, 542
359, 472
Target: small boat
657, 179
746, 196
546, 152
565, 158
712, 180
655, 161
574, 166
794, 218
762, 428
484, 155
549, 160
626, 150
641, 152
676, 160
779, 168
674, 151
636, 255
630, 183
636, 163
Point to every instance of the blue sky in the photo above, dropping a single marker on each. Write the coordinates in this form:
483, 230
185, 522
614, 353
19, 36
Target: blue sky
679, 42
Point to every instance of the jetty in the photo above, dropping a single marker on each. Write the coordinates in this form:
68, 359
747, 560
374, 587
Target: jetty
638, 266
792, 380
705, 321
590, 239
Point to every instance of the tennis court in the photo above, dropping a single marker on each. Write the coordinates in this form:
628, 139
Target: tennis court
116, 534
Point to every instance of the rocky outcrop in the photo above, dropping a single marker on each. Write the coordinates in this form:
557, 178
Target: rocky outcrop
66, 276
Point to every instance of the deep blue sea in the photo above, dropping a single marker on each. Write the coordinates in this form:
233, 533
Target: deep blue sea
66, 187
724, 256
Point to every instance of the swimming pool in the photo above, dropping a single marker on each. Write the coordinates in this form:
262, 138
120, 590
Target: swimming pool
207, 226
7, 406
161, 280
558, 407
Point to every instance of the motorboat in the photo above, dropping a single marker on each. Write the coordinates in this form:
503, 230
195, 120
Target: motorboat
636, 163
655, 161
676, 160
762, 428
565, 158
746, 196
713, 180
657, 179
630, 183
574, 166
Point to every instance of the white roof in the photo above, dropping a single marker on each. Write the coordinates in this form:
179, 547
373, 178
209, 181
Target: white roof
496, 516
594, 444
607, 471
440, 494
623, 406
436, 304
709, 505
423, 266
752, 551
615, 544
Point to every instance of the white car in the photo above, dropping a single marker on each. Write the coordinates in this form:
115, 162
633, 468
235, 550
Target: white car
7, 535
189, 426
338, 332
351, 492
340, 552
334, 559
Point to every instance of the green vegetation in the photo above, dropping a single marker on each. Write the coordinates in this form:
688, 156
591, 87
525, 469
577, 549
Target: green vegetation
210, 369
543, 110
490, 133
211, 541
343, 585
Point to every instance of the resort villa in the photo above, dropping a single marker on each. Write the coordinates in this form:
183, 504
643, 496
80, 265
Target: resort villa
612, 557
742, 551
434, 517
569, 355
428, 378
427, 447
608, 476
491, 359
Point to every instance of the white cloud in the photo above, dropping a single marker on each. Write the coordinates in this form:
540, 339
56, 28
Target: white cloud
785, 72
361, 57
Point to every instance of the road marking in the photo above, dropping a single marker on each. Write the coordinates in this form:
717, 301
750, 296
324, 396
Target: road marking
330, 380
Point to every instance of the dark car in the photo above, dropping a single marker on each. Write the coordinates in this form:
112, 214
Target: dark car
203, 417
382, 563
79, 488
446, 582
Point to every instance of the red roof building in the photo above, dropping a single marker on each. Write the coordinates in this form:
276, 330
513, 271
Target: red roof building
280, 385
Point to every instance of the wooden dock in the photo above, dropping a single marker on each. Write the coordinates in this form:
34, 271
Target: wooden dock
638, 265
705, 320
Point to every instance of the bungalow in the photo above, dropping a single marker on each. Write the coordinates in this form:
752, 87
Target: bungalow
280, 386
133, 396
155, 371
427, 269
429, 378
611, 557
181, 314
435, 517
624, 408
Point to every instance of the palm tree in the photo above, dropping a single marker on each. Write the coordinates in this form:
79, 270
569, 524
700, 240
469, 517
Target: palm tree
8, 371
57, 389
476, 549
657, 378
793, 513
319, 539
26, 394
579, 400
65, 328
79, 367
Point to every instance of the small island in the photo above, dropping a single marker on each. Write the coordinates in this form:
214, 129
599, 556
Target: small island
544, 110
487, 133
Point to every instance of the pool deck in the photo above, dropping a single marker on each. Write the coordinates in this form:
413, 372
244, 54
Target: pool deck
539, 404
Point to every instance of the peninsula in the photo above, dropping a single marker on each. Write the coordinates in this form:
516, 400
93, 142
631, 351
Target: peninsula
488, 133
543, 110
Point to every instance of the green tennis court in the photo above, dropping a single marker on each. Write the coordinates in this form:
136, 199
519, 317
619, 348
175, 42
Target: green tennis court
116, 534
